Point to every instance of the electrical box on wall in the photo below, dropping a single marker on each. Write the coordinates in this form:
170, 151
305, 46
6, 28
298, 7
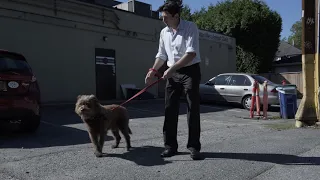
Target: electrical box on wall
139, 8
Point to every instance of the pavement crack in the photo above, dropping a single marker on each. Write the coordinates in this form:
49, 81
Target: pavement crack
41, 155
9, 175
274, 165
262, 172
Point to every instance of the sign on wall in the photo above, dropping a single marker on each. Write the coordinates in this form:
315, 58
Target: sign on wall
106, 61
215, 37
207, 61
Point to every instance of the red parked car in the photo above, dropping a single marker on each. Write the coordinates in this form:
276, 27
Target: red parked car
19, 92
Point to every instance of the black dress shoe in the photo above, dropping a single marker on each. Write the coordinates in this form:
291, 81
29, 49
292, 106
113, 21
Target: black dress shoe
169, 153
194, 154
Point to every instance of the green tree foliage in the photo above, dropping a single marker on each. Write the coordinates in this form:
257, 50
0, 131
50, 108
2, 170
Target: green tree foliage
186, 13
256, 29
296, 34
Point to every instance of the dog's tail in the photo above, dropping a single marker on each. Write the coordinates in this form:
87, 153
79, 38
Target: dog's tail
130, 132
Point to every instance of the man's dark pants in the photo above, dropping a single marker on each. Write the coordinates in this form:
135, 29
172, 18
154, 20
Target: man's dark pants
186, 80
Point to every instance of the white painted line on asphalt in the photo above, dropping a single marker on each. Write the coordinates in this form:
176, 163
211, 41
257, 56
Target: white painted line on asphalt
226, 123
75, 126
55, 125
226, 109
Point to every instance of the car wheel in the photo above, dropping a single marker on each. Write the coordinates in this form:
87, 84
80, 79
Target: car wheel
31, 124
246, 102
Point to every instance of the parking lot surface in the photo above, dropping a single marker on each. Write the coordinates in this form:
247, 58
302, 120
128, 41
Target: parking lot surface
233, 147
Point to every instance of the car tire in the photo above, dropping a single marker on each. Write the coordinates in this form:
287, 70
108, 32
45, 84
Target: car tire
31, 124
246, 102
247, 99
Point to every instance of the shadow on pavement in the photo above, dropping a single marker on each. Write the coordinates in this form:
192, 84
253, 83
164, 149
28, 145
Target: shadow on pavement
274, 109
143, 156
64, 115
283, 159
54, 130
46, 136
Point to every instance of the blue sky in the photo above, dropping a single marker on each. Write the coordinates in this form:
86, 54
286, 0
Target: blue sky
289, 10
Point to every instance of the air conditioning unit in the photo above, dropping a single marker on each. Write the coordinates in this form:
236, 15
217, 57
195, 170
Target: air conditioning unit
136, 7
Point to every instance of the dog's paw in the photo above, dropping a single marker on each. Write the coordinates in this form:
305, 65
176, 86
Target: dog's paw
114, 146
98, 154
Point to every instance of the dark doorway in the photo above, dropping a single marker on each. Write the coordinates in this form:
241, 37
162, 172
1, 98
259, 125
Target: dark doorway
106, 84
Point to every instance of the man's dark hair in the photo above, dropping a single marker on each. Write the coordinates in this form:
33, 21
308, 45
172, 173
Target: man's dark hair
171, 6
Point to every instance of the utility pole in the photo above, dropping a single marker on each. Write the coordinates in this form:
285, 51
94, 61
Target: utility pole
307, 113
317, 64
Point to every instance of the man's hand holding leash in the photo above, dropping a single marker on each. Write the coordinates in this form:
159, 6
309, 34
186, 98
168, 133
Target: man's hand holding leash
168, 73
154, 71
150, 76
187, 58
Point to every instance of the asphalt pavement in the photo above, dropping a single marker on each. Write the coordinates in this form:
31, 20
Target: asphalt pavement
233, 147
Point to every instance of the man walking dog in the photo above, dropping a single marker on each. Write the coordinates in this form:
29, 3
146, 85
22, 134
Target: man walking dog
179, 48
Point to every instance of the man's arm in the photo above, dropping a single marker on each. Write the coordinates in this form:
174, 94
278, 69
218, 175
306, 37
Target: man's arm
158, 64
186, 59
191, 45
161, 56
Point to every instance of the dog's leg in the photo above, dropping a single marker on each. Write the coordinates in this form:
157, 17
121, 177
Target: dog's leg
125, 132
103, 133
94, 139
101, 141
117, 138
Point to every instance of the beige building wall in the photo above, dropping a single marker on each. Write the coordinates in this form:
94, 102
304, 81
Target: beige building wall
59, 42
284, 68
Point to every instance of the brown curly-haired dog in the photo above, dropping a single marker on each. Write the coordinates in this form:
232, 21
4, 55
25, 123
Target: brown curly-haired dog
99, 119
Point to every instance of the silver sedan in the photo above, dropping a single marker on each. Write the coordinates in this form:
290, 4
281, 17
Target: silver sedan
237, 88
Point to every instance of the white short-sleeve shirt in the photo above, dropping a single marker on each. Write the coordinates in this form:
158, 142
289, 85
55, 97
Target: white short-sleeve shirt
173, 46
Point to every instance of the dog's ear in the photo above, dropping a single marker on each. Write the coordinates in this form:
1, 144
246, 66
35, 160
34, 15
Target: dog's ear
79, 96
93, 97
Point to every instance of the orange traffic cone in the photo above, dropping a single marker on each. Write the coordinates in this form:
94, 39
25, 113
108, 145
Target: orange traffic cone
258, 99
253, 99
265, 100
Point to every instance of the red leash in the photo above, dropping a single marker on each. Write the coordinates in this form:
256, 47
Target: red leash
140, 92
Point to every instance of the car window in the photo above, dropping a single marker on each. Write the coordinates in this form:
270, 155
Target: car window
261, 79
13, 63
239, 80
222, 80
